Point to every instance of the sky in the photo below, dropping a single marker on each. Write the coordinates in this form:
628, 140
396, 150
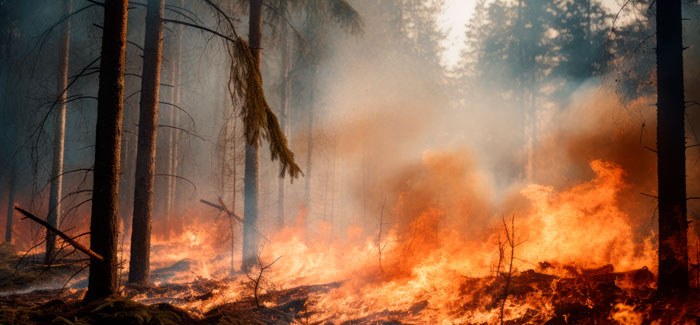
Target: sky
453, 19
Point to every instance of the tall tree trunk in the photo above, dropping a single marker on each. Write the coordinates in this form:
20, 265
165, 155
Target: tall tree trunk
175, 217
309, 149
252, 152
165, 195
673, 223
58, 135
285, 93
234, 178
523, 172
332, 212
11, 202
103, 280
589, 29
128, 163
146, 154
531, 120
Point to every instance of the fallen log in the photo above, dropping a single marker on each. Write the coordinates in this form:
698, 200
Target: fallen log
233, 215
61, 234
638, 277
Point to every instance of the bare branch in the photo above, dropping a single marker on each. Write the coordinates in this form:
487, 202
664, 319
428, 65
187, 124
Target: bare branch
183, 130
231, 214
182, 178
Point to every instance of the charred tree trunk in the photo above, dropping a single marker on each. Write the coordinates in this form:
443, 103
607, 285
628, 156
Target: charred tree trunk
252, 153
103, 280
58, 135
285, 93
11, 202
146, 154
673, 223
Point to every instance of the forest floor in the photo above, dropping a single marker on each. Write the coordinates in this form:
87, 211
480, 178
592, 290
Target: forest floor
582, 296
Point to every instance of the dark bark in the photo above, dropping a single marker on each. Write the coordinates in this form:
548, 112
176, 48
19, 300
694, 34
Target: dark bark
103, 280
673, 223
252, 153
54, 216
139, 264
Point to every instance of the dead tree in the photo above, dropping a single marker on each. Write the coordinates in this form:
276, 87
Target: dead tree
510, 240
670, 135
501, 255
139, 264
257, 279
103, 280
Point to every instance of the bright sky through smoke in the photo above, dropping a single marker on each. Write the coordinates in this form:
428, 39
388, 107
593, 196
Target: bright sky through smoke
453, 20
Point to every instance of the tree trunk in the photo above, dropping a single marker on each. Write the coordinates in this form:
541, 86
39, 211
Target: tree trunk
11, 203
103, 280
146, 154
165, 195
250, 182
673, 223
285, 93
128, 163
332, 212
309, 150
175, 218
58, 135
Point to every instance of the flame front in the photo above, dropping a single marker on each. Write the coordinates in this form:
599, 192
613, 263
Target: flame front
439, 263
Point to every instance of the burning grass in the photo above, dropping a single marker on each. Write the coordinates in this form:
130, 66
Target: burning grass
584, 297
576, 259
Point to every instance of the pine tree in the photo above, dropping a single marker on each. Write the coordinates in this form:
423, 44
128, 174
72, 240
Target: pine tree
146, 155
103, 280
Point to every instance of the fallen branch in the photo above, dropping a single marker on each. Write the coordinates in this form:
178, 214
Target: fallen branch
65, 237
233, 215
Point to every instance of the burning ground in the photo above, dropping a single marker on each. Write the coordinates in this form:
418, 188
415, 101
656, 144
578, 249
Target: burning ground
571, 254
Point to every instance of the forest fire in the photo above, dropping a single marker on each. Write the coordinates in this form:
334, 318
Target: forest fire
429, 272
345, 162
